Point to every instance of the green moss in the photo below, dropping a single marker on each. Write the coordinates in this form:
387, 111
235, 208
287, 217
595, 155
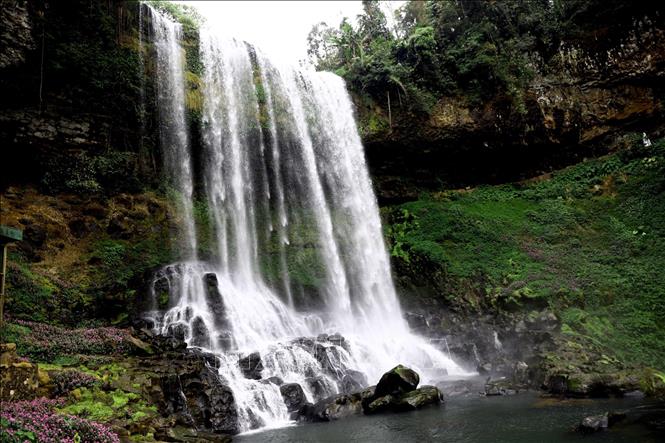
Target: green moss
589, 242
92, 404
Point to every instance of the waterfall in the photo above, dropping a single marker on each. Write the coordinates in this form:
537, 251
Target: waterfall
173, 132
299, 276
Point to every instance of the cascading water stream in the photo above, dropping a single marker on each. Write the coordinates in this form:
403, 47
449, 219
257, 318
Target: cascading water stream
298, 246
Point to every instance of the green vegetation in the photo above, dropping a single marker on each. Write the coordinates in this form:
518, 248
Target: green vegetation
475, 50
588, 242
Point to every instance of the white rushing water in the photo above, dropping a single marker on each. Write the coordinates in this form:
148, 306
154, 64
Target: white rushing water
298, 270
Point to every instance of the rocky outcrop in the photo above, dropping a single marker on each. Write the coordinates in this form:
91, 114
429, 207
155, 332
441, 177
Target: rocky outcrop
293, 395
19, 380
396, 392
577, 105
397, 381
251, 365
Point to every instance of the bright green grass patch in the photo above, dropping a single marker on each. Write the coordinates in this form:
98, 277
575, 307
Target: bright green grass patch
589, 242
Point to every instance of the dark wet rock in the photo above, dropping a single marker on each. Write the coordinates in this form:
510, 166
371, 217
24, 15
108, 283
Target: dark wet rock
412, 400
305, 342
191, 393
337, 339
318, 386
251, 365
177, 331
457, 388
521, 373
331, 408
176, 402
380, 404
594, 385
293, 395
594, 423
200, 334
140, 347
502, 386
419, 398
330, 359
344, 406
417, 322
353, 381
225, 340
397, 381
214, 298
275, 380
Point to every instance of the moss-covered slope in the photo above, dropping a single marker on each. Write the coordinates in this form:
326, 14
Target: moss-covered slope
587, 241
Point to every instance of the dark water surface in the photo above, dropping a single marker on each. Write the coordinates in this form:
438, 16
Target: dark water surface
515, 419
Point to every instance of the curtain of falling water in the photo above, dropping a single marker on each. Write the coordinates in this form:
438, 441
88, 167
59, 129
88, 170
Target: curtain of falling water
284, 176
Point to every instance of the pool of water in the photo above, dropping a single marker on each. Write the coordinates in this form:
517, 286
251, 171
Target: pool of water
521, 418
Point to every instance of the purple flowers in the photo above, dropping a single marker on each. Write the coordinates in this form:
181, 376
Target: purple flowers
46, 342
71, 379
37, 421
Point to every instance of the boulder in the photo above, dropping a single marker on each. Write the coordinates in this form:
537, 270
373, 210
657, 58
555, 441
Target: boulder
331, 408
251, 366
412, 400
380, 404
594, 423
421, 397
500, 386
319, 386
293, 395
275, 380
140, 347
177, 331
200, 334
353, 381
397, 381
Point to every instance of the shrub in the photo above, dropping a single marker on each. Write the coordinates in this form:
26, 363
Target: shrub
67, 381
45, 342
37, 421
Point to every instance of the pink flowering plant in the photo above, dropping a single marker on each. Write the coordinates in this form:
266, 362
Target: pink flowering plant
42, 342
67, 381
38, 421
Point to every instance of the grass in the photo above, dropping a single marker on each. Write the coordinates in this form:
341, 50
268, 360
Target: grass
589, 242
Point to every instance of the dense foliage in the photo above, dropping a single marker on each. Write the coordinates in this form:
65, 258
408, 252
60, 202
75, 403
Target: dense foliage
38, 421
469, 48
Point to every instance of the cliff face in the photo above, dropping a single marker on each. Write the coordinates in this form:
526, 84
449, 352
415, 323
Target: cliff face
577, 105
70, 79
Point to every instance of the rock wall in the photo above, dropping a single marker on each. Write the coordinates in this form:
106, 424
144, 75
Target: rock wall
578, 102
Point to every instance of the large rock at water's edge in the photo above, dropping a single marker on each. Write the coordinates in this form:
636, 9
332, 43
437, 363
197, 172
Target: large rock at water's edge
397, 381
319, 386
416, 399
331, 408
293, 395
193, 394
421, 397
396, 392
251, 366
